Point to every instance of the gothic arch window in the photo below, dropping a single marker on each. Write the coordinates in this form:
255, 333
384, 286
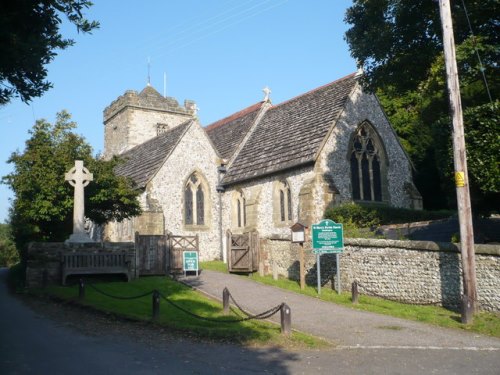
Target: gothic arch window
195, 200
239, 204
367, 160
282, 202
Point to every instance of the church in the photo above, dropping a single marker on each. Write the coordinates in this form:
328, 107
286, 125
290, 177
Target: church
261, 169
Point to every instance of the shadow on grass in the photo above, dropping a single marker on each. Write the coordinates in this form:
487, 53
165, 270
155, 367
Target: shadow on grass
182, 311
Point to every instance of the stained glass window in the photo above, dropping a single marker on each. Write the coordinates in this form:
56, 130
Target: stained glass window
366, 174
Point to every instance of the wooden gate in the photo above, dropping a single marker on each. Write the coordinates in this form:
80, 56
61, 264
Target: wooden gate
152, 256
243, 252
177, 245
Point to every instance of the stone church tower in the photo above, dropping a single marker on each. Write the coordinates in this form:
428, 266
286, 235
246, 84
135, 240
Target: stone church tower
134, 118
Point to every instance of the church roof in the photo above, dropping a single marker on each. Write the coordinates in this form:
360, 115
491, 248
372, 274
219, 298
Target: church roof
144, 160
291, 133
227, 134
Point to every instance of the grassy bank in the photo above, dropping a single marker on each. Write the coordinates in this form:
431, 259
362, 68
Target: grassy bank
247, 332
484, 322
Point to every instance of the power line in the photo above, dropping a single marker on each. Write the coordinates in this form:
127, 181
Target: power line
481, 67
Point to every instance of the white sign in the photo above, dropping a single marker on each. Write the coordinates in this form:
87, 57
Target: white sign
298, 236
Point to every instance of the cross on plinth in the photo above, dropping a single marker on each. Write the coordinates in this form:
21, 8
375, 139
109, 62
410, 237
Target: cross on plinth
79, 177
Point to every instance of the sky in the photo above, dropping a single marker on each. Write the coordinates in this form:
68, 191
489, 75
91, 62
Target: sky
219, 53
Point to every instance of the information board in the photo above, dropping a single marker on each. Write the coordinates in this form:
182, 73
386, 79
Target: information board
190, 261
327, 237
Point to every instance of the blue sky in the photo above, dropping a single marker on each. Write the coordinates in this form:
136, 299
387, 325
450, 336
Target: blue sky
218, 53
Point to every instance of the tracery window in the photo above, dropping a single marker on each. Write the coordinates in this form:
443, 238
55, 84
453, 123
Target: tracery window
194, 201
366, 164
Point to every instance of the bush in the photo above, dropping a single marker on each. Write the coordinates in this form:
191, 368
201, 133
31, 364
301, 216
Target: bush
372, 215
352, 213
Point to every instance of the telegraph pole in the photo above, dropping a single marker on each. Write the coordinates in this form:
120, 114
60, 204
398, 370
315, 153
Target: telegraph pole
460, 162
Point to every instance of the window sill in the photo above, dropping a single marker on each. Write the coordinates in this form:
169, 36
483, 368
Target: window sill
197, 228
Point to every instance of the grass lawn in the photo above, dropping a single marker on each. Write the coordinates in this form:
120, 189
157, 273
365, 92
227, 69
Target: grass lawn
484, 322
248, 332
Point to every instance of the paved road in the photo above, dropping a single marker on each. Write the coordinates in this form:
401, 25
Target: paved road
35, 340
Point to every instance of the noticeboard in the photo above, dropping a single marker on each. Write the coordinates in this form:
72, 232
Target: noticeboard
327, 237
190, 261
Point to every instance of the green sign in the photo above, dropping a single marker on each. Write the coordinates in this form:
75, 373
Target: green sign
190, 261
327, 237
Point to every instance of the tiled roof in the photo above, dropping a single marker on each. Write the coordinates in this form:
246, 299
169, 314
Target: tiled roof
143, 161
290, 133
227, 134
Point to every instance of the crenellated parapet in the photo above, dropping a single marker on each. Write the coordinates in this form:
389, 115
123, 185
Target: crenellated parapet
148, 99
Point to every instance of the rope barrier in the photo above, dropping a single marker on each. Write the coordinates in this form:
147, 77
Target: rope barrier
119, 297
263, 315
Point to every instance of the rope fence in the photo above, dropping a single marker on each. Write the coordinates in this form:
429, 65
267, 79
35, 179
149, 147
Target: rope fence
156, 296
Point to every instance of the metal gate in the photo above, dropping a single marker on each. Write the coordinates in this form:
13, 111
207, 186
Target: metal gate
243, 252
177, 245
152, 256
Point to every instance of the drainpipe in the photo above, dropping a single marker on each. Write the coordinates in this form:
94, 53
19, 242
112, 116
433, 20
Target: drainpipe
220, 190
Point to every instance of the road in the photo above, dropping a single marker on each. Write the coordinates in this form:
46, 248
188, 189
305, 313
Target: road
41, 337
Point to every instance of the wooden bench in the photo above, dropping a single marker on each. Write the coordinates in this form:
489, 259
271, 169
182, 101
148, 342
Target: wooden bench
95, 263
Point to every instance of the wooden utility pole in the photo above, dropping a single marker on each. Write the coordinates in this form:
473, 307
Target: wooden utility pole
460, 161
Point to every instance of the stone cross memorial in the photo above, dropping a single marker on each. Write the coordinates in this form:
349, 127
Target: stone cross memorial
79, 177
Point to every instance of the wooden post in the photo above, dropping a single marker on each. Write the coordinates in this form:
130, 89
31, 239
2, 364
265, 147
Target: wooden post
286, 319
355, 293
225, 301
302, 266
459, 156
467, 310
81, 290
156, 305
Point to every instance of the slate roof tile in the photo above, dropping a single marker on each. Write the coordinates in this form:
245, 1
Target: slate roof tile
227, 134
291, 133
143, 161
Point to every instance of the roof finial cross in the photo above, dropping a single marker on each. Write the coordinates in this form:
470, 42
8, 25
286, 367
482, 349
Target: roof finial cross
267, 92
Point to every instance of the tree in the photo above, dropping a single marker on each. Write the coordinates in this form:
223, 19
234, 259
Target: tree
29, 39
399, 44
397, 41
42, 208
8, 252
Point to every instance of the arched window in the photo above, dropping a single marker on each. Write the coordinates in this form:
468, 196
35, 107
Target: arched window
282, 202
194, 201
366, 164
239, 209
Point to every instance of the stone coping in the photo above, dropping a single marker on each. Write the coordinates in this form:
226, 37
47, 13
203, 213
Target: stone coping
482, 249
421, 245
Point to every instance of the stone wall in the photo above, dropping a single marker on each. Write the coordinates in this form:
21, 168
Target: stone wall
46, 257
409, 271
168, 185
